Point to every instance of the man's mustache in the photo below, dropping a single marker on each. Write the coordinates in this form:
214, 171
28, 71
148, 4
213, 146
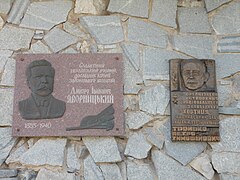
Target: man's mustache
45, 87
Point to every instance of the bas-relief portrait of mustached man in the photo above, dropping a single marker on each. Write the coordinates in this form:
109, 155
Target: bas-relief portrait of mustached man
193, 75
41, 104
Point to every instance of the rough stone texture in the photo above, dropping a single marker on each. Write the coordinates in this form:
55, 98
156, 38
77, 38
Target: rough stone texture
17, 11
45, 15
184, 152
8, 76
45, 151
6, 173
223, 67
38, 35
146, 33
14, 38
156, 63
190, 3
229, 135
224, 94
226, 162
75, 30
6, 143
6, 106
27, 175
193, 20
229, 44
73, 163
154, 100
213, 4
1, 22
203, 165
226, 20
131, 51
70, 50
198, 46
137, 146
110, 171
132, 78
229, 177
5, 6
164, 12
47, 174
38, 48
17, 152
102, 149
154, 137
91, 170
137, 8
136, 120
167, 168
100, 26
58, 39
139, 171
90, 6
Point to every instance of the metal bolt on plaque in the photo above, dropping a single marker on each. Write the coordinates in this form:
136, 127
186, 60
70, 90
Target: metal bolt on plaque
194, 100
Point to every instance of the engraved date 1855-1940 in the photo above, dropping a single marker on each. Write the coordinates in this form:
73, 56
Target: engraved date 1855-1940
38, 125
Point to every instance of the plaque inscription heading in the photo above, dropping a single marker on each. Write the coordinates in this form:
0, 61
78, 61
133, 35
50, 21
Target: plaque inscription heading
68, 95
194, 100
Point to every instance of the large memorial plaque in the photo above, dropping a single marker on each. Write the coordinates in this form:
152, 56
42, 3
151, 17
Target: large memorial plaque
194, 100
68, 95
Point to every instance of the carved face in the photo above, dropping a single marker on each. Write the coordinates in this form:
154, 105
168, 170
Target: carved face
41, 80
194, 75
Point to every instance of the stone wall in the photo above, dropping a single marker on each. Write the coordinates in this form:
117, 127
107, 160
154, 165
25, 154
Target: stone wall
148, 33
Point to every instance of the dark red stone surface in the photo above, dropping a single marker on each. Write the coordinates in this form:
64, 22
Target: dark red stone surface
75, 112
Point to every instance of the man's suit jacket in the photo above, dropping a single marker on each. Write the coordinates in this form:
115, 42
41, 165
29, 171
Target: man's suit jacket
29, 110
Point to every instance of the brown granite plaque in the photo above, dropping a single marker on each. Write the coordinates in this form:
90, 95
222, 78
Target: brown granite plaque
68, 95
194, 101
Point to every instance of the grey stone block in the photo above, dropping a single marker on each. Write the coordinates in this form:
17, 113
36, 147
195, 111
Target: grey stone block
213, 4
137, 146
132, 78
154, 137
223, 66
198, 46
100, 26
27, 174
131, 7
6, 143
229, 44
6, 173
103, 149
139, 171
146, 33
193, 20
184, 152
58, 39
73, 163
156, 63
154, 100
16, 152
164, 12
45, 15
90, 6
227, 21
45, 152
47, 174
17, 11
110, 171
229, 177
5, 6
229, 136
8, 76
136, 120
14, 38
132, 52
91, 170
226, 162
6, 106
167, 168
38, 48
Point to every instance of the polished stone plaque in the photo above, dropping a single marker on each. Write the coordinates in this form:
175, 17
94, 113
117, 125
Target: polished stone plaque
68, 95
194, 100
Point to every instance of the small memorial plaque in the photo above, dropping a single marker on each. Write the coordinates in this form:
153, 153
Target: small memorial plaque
68, 95
194, 100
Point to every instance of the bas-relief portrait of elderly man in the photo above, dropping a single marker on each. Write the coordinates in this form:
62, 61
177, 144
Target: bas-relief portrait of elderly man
41, 104
192, 75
